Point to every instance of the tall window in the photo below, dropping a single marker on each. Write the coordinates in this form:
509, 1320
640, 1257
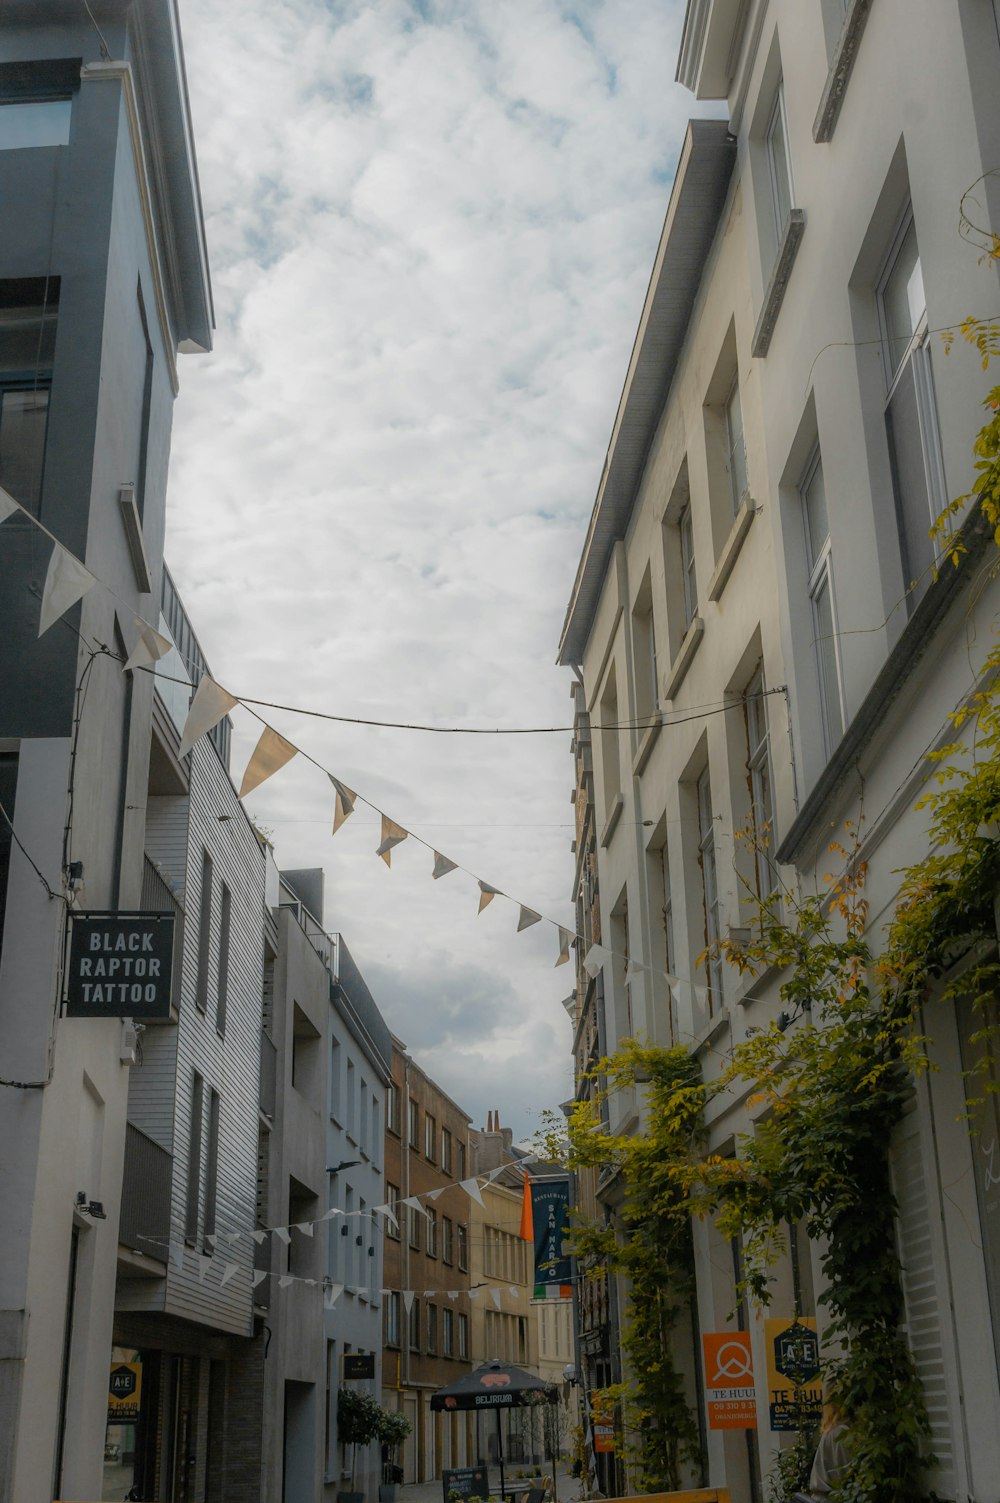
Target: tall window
689, 582
212, 1167
461, 1161
911, 408
432, 1329
363, 1119
222, 986
448, 1332
463, 1336
414, 1216
430, 1137
759, 767
447, 1239
204, 932
776, 142
647, 689
36, 102
392, 1201
445, 1150
710, 889
463, 1248
824, 618
736, 446
193, 1194
414, 1123
392, 1120
432, 1233
392, 1319
28, 310
335, 1086
414, 1324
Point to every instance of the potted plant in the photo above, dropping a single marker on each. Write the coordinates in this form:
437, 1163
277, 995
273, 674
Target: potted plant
359, 1418
394, 1428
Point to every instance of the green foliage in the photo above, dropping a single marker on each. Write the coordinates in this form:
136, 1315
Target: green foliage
394, 1427
653, 1251
359, 1417
790, 1473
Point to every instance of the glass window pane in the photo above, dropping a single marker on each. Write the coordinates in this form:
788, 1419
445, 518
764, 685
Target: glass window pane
737, 449
36, 124
902, 298
23, 416
826, 658
817, 522
777, 150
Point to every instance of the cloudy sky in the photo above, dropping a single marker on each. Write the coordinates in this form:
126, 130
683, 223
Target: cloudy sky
431, 224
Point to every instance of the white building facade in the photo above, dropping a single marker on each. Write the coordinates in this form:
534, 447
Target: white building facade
757, 591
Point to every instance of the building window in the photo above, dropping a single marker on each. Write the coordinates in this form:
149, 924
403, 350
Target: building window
710, 890
432, 1332
392, 1319
392, 1201
222, 987
350, 1104
463, 1248
204, 932
736, 446
463, 1337
36, 102
363, 1119
445, 1150
414, 1223
432, 1233
448, 1332
414, 1123
447, 1240
761, 803
645, 670
607, 737
28, 313
414, 1325
826, 643
392, 1108
911, 408
779, 168
8, 791
335, 1087
461, 1161
194, 1159
689, 581
430, 1137
212, 1168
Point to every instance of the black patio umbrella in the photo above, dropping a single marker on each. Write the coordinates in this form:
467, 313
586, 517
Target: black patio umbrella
497, 1386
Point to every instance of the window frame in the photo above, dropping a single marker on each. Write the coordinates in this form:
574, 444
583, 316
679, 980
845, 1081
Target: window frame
430, 1325
462, 1241
778, 121
689, 576
392, 1201
447, 1332
447, 1240
463, 1336
432, 1232
414, 1123
446, 1154
430, 1137
392, 1109
819, 564
758, 732
392, 1318
735, 442
708, 862
413, 1326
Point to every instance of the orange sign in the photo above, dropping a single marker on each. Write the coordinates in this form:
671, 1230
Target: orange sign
729, 1385
603, 1422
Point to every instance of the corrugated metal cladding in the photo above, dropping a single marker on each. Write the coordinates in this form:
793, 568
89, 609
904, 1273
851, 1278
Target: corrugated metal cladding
693, 213
179, 831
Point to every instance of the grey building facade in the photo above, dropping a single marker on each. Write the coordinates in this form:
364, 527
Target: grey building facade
103, 279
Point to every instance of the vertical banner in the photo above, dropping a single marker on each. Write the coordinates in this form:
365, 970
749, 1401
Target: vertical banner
794, 1388
550, 1222
729, 1385
602, 1420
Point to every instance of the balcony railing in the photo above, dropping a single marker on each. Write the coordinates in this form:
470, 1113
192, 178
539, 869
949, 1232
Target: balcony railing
268, 1075
145, 1214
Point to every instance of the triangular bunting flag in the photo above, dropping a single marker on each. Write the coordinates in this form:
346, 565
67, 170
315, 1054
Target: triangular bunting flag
513, 1291
442, 866
392, 835
176, 1254
229, 1272
414, 1204
211, 1239
633, 969
150, 647
8, 506
66, 582
270, 755
259, 1235
475, 1293
232, 1237
343, 806
204, 1264
305, 1227
388, 1213
331, 1295
496, 1297
453, 1293
526, 918
286, 1279
211, 701
594, 959
471, 1187
258, 1278
282, 1233
333, 1211
565, 938
486, 895
433, 1194
407, 1300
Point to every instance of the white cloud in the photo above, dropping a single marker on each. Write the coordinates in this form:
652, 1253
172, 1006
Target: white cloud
431, 227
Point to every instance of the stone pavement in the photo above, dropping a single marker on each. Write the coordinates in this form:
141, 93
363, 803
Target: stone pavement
567, 1487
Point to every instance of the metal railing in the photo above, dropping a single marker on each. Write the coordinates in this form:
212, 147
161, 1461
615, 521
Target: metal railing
146, 1181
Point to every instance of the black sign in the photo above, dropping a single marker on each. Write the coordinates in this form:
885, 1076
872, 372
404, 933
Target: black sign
465, 1482
357, 1365
120, 965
